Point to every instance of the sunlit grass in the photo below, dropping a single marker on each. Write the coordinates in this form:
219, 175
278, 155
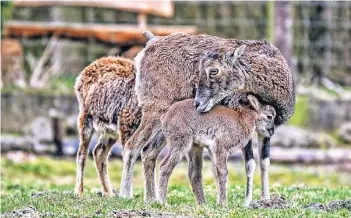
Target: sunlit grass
300, 185
300, 113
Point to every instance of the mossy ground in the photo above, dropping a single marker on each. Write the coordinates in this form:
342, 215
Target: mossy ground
54, 178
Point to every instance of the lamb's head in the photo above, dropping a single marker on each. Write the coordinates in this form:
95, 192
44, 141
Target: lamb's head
220, 76
265, 119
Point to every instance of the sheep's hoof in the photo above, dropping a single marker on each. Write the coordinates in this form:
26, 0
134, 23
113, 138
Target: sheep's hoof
125, 195
265, 198
109, 195
247, 204
78, 194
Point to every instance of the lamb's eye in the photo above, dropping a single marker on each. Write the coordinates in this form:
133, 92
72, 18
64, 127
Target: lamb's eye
269, 117
213, 72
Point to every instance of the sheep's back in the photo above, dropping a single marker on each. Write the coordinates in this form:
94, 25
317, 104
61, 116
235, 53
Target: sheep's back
106, 86
103, 68
169, 69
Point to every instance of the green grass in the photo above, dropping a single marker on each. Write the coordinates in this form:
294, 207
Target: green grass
56, 86
301, 112
300, 185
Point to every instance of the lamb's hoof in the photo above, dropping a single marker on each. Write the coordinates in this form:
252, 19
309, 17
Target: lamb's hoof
106, 194
150, 200
201, 202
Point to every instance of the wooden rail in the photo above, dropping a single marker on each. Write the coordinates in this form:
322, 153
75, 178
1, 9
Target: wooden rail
111, 33
162, 8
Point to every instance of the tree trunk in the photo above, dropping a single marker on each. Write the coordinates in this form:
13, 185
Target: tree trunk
283, 28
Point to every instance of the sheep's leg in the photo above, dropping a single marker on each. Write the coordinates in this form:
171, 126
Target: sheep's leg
149, 156
101, 152
264, 164
173, 157
220, 162
194, 172
250, 166
86, 130
132, 150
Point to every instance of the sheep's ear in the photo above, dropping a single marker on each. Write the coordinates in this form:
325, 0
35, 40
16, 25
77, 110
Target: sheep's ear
231, 56
254, 102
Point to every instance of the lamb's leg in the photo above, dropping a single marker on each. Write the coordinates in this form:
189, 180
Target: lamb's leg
173, 157
220, 162
132, 150
149, 156
214, 168
194, 172
250, 166
101, 152
264, 151
86, 130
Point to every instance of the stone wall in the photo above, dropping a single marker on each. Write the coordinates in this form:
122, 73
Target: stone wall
20, 109
328, 115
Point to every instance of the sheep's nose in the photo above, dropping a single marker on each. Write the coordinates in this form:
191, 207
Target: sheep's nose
197, 103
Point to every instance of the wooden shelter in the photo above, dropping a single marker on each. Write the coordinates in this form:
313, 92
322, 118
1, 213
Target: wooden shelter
122, 34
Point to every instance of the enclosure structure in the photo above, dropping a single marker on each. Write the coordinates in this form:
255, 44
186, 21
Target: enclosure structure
122, 34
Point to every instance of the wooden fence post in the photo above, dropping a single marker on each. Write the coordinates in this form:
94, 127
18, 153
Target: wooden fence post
58, 132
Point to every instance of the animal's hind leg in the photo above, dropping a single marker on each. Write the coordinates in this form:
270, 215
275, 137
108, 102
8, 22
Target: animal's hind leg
133, 148
250, 166
85, 128
220, 167
194, 172
101, 153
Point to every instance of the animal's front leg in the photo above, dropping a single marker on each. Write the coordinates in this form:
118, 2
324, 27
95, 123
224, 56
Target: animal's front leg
149, 156
250, 166
264, 152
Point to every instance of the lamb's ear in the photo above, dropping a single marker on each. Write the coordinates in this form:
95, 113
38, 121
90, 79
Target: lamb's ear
254, 102
231, 56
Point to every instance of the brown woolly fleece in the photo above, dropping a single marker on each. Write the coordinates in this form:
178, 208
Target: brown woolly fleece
105, 91
168, 69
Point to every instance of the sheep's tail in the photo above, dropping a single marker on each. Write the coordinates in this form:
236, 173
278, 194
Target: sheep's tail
148, 35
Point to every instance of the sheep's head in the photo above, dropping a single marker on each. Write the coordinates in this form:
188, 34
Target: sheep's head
265, 119
220, 76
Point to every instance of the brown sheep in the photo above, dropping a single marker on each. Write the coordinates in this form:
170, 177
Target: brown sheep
107, 103
222, 130
168, 71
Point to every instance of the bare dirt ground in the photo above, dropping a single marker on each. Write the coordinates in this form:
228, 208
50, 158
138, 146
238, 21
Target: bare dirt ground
140, 213
275, 202
333, 205
28, 212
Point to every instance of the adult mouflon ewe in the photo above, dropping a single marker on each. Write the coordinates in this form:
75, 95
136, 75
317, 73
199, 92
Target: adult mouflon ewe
222, 130
168, 71
107, 104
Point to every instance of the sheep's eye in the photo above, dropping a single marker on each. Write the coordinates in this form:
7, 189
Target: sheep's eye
269, 117
213, 72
